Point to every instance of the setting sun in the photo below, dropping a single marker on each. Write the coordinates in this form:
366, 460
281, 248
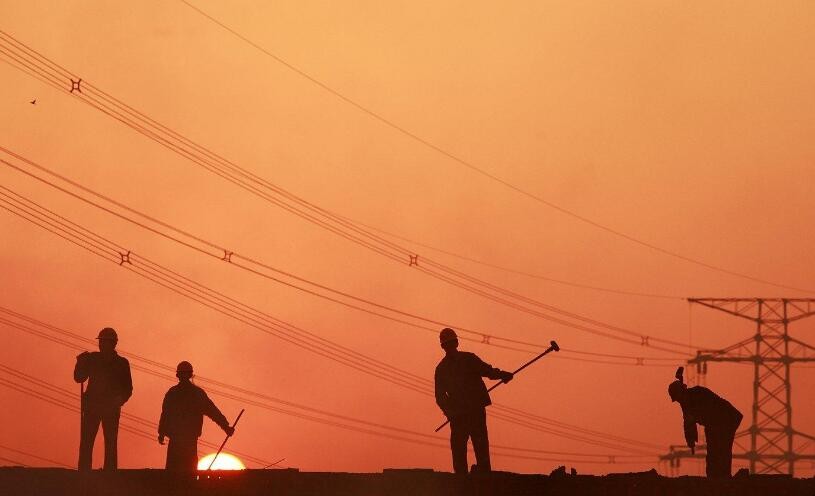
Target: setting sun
225, 461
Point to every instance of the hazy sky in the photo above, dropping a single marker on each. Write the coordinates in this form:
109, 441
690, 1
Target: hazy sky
688, 126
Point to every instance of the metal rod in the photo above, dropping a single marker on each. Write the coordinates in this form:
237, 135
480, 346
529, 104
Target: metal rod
274, 464
552, 347
225, 440
81, 413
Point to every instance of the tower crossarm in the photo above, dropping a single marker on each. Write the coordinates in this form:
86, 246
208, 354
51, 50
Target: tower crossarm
749, 358
767, 310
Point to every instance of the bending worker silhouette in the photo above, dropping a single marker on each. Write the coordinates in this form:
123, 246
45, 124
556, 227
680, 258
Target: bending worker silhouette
182, 417
462, 396
720, 419
109, 387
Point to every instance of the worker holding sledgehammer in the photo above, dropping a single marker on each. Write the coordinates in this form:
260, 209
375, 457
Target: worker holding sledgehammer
462, 396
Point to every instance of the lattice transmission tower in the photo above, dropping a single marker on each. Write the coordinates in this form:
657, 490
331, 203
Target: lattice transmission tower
772, 351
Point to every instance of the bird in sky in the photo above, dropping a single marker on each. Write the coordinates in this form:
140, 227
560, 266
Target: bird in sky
33, 102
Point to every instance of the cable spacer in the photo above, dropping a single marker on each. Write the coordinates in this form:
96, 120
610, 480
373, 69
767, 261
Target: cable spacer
75, 86
125, 257
227, 256
644, 340
485, 339
414, 260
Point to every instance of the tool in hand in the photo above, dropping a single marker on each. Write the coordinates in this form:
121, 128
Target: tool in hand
552, 347
225, 440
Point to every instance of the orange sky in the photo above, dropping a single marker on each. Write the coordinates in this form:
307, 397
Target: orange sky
688, 126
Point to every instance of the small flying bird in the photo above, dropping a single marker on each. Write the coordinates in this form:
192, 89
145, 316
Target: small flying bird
33, 102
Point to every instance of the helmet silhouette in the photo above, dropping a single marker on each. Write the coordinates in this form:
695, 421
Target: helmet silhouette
108, 333
184, 367
446, 335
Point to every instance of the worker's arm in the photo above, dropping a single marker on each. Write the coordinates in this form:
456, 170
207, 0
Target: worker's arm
442, 398
212, 411
127, 382
163, 421
490, 372
82, 369
691, 433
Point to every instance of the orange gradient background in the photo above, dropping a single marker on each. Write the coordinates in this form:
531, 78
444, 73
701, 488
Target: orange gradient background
686, 125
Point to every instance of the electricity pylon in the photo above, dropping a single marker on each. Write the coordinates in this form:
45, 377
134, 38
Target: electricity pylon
772, 351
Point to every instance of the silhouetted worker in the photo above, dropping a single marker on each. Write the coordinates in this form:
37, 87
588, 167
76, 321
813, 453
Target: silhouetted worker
720, 419
462, 396
109, 387
182, 417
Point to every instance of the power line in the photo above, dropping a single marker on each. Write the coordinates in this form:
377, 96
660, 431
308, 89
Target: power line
394, 375
29, 60
71, 400
140, 420
31, 455
478, 336
15, 462
480, 170
517, 271
261, 321
239, 390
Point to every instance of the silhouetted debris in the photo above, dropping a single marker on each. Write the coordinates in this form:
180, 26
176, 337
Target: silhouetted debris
561, 472
558, 472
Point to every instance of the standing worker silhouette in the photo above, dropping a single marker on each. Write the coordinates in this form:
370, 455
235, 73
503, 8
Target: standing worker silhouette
182, 417
462, 396
109, 387
720, 419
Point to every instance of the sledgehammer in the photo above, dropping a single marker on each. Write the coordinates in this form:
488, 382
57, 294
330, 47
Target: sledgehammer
552, 347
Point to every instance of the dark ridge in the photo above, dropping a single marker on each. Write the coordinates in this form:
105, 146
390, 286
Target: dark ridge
391, 482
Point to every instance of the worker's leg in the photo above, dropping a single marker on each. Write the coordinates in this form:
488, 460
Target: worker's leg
110, 429
727, 449
481, 442
717, 452
459, 433
90, 426
182, 454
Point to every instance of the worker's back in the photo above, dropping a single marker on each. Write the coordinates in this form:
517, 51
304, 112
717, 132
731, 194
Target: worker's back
709, 409
183, 410
459, 387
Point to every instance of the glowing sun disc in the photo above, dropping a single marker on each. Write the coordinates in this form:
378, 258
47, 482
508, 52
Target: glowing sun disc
225, 461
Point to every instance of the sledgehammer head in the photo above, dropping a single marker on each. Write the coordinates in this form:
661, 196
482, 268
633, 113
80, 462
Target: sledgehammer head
554, 346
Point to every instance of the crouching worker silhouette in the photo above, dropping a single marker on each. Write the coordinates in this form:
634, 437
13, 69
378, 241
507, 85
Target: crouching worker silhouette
462, 396
720, 419
109, 387
182, 416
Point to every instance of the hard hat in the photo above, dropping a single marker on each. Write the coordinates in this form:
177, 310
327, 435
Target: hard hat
446, 335
675, 389
108, 333
184, 367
